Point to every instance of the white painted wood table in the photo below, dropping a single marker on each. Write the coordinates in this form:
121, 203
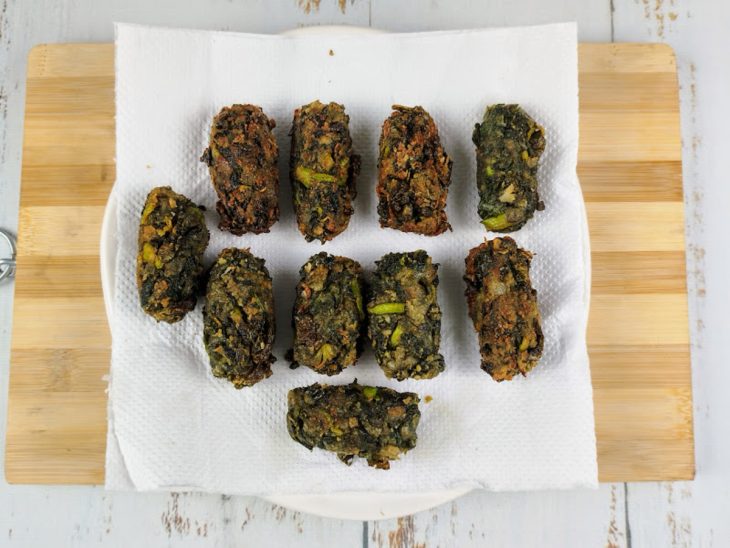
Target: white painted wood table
635, 514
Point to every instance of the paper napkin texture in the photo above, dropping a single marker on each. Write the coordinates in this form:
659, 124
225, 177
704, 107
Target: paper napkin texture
173, 425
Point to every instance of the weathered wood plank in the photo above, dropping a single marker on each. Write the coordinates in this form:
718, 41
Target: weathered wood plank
569, 518
695, 513
85, 516
593, 16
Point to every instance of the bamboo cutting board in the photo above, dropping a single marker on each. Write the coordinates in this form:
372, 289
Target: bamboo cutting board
631, 173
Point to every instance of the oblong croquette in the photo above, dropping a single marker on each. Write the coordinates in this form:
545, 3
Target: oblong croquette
372, 422
414, 173
503, 306
509, 144
238, 318
171, 241
242, 160
322, 170
328, 314
404, 317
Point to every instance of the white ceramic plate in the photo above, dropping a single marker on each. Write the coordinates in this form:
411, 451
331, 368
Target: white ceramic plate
346, 505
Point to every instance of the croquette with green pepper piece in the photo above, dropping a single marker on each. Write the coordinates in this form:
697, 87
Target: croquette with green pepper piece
374, 423
171, 242
404, 317
509, 144
503, 306
242, 160
238, 318
328, 315
322, 168
414, 173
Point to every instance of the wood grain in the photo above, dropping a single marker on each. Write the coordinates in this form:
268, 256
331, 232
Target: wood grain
630, 164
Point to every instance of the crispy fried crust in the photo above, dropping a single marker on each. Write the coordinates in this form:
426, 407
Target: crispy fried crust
503, 306
404, 317
374, 423
414, 173
238, 318
171, 242
242, 160
328, 314
322, 170
508, 147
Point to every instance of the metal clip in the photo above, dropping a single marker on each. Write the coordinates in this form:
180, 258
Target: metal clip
7, 264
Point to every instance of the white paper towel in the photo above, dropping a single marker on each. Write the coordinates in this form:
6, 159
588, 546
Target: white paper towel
173, 425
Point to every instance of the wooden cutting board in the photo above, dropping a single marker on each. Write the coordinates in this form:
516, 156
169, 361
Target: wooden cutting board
631, 173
